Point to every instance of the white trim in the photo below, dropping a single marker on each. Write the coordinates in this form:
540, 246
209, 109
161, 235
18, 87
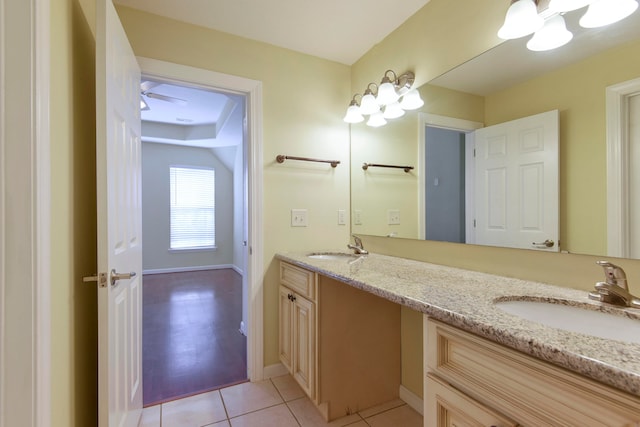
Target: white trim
618, 166
253, 90
444, 122
186, 269
411, 399
275, 370
29, 365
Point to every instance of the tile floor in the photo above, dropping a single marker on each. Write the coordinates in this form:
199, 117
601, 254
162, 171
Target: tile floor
277, 402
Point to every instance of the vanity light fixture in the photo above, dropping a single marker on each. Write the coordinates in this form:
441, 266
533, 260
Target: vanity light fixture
605, 12
522, 19
549, 27
388, 100
353, 112
552, 35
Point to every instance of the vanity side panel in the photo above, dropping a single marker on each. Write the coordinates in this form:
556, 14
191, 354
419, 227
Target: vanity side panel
359, 363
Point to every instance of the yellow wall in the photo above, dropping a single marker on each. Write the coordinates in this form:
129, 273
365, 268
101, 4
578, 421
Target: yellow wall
73, 200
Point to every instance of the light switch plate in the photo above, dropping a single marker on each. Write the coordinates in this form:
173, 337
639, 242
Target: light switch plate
342, 214
298, 217
393, 216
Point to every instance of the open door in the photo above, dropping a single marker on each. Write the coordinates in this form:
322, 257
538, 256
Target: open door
118, 169
516, 185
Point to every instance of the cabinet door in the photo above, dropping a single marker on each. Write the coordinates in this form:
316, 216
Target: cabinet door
448, 407
286, 328
304, 344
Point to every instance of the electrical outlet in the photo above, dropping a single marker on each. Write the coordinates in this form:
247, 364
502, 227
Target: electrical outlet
393, 216
357, 217
342, 217
298, 217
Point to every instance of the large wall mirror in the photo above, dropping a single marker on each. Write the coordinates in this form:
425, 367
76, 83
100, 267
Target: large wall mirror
506, 83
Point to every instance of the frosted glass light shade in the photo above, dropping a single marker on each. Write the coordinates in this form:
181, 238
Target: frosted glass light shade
522, 19
568, 5
376, 120
387, 94
411, 100
353, 115
553, 35
605, 12
393, 111
369, 105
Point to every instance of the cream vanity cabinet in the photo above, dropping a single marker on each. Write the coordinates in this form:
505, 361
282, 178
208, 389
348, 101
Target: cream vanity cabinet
341, 344
297, 306
471, 381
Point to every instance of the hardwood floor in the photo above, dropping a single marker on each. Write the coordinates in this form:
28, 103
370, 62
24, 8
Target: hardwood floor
191, 338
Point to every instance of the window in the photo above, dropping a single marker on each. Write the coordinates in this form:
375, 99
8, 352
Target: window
193, 224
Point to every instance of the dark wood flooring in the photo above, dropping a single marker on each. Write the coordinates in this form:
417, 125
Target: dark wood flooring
191, 338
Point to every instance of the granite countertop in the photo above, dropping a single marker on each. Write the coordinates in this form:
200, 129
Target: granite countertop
465, 299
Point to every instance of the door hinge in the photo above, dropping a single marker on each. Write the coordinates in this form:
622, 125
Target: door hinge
101, 278
474, 223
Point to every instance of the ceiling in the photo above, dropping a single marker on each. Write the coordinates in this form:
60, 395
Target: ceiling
337, 30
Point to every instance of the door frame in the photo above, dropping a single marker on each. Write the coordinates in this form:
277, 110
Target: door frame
25, 325
443, 122
618, 185
252, 89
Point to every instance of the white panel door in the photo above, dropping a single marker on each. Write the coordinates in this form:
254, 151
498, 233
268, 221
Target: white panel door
516, 183
118, 169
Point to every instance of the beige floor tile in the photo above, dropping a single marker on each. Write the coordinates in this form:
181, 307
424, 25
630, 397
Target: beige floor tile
150, 417
369, 412
224, 423
288, 387
194, 411
275, 416
308, 415
248, 397
402, 416
359, 424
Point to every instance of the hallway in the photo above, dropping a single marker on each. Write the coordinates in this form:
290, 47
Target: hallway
191, 338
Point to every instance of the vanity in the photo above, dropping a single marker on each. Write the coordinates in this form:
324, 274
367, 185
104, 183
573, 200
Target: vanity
482, 364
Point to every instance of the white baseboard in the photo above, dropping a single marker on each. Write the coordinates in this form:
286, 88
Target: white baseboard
237, 270
276, 370
411, 399
184, 269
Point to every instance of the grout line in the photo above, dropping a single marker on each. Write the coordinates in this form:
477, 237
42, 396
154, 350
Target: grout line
224, 406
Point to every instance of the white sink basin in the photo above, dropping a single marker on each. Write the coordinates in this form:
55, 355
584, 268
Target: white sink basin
578, 319
333, 256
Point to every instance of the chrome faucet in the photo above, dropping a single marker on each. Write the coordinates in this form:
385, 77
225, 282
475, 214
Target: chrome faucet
357, 248
614, 290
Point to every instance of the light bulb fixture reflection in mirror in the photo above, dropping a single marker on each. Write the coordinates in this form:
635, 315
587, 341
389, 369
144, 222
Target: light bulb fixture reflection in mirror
522, 19
389, 100
605, 12
393, 111
386, 91
353, 111
553, 35
376, 120
368, 104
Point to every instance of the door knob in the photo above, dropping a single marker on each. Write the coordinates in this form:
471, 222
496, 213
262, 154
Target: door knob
119, 276
546, 244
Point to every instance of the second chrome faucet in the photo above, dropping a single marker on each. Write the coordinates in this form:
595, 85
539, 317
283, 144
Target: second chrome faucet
357, 248
614, 290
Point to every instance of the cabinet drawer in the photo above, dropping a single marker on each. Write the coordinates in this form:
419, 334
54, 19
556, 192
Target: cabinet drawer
299, 280
526, 389
447, 407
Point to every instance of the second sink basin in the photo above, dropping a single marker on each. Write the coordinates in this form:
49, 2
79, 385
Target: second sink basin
576, 318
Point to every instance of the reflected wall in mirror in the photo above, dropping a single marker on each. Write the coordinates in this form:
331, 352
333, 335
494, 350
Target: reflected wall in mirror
572, 79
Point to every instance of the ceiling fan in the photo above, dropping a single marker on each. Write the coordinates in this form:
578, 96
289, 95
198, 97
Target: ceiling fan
145, 88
